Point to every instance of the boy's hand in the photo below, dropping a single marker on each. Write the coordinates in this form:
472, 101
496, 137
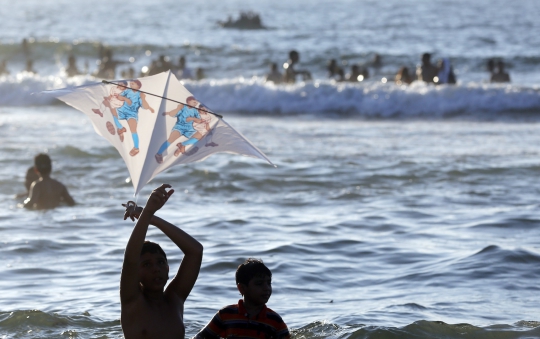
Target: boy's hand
132, 210
158, 198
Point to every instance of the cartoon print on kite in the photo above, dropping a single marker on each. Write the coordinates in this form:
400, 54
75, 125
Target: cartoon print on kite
112, 102
204, 126
186, 116
132, 99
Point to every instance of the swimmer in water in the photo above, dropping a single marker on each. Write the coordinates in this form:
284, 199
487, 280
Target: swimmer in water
46, 192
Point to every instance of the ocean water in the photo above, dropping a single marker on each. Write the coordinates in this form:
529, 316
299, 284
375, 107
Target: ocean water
394, 212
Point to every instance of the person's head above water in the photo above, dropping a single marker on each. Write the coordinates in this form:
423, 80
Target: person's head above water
42, 163
254, 282
426, 58
294, 56
250, 269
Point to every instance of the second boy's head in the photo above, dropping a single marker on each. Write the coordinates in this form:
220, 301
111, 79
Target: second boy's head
154, 268
254, 281
202, 109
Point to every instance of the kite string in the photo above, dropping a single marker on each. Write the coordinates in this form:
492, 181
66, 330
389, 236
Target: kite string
159, 96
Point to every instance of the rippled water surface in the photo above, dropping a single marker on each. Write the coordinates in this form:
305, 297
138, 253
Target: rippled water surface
368, 226
394, 211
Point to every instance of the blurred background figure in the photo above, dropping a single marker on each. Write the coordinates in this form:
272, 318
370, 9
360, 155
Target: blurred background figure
25, 48
3, 68
107, 65
403, 77
375, 63
500, 75
445, 75
490, 66
161, 65
71, 69
426, 71
332, 68
355, 75
30, 66
290, 72
128, 73
274, 76
199, 73
340, 75
182, 71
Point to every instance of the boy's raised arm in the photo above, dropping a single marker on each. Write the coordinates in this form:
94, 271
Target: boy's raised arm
183, 282
129, 279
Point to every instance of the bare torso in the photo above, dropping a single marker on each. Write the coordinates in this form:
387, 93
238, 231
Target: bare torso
47, 193
145, 318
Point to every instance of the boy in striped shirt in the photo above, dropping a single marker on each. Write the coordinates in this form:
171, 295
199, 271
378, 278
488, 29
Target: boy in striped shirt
250, 318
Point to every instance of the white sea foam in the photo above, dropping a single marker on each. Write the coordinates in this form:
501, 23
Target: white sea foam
324, 98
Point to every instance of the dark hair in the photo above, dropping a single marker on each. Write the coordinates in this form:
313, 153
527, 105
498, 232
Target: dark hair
250, 269
137, 82
42, 162
152, 247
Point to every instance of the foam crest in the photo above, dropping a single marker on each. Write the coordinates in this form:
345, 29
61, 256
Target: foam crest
323, 98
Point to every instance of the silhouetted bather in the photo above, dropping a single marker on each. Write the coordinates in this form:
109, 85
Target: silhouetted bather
290, 72
500, 75
427, 71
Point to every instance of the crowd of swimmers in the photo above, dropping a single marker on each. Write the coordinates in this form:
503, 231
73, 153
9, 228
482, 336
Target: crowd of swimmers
441, 72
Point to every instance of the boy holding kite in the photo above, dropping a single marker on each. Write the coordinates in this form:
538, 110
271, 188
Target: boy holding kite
149, 310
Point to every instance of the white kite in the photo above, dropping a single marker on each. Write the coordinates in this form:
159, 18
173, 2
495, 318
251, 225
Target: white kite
155, 123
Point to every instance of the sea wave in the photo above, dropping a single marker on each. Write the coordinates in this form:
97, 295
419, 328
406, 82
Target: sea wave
323, 98
40, 324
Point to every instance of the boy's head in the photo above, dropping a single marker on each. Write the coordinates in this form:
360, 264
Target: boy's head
191, 101
136, 85
152, 247
154, 268
254, 281
42, 163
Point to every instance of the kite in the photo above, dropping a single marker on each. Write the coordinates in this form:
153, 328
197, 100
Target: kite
155, 123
